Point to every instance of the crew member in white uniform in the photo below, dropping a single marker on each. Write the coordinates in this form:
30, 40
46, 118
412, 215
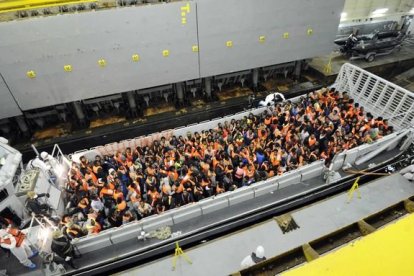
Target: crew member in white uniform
271, 99
18, 246
41, 163
254, 258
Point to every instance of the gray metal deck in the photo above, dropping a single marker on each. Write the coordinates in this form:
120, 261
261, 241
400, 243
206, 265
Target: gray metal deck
223, 256
318, 63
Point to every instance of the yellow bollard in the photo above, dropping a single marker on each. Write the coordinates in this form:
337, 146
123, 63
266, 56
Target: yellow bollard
178, 253
328, 66
355, 187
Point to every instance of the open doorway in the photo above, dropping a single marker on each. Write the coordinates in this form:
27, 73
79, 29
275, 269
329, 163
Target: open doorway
7, 213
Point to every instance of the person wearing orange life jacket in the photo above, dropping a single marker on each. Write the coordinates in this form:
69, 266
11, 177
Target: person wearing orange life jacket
84, 164
120, 159
74, 230
91, 225
106, 194
324, 155
94, 228
118, 193
17, 245
121, 204
90, 175
100, 184
83, 205
273, 157
172, 174
107, 191
311, 141
250, 173
128, 154
153, 196
267, 120
96, 166
365, 128
220, 188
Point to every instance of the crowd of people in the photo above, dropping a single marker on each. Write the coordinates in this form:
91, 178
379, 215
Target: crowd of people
110, 191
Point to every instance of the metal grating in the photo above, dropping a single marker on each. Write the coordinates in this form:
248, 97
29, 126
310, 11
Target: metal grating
378, 96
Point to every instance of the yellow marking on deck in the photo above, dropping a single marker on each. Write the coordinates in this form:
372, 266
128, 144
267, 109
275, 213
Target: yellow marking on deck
355, 187
388, 251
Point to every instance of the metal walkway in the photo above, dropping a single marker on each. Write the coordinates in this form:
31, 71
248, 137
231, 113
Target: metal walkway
223, 256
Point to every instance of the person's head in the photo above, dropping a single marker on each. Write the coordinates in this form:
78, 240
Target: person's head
82, 159
111, 171
31, 195
44, 155
57, 234
66, 218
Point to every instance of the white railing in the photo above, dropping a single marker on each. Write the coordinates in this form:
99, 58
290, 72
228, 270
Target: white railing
112, 148
60, 157
377, 95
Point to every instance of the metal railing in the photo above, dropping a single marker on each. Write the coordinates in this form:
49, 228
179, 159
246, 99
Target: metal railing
377, 95
21, 5
21, 9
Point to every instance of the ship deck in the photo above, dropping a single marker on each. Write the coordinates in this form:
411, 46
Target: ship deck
206, 225
384, 252
223, 256
319, 64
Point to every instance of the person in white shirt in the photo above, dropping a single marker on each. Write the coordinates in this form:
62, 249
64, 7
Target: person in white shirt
97, 204
18, 248
40, 162
253, 258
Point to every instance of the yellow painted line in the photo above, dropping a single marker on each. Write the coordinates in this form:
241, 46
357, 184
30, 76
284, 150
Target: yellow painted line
388, 251
12, 6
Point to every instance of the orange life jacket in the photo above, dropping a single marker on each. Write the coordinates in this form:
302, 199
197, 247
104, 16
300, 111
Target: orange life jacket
106, 192
17, 234
83, 203
121, 206
311, 141
118, 195
180, 189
